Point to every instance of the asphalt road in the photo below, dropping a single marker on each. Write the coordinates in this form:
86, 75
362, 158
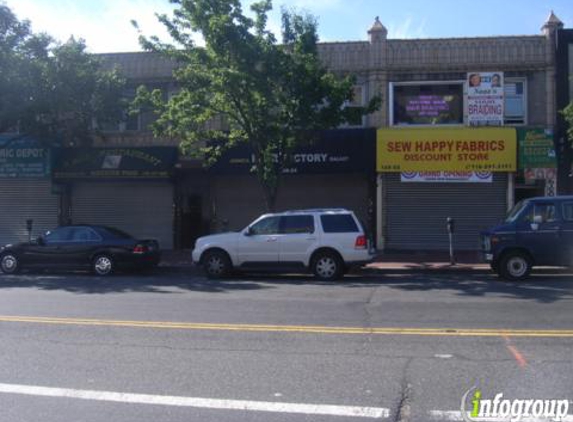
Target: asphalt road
178, 347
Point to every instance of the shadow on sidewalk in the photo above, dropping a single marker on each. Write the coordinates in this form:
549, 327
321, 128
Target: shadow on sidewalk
154, 282
542, 287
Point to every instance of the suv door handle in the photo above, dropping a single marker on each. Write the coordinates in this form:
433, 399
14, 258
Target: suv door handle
271, 239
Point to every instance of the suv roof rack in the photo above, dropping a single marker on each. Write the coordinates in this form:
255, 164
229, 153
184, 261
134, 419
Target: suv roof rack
311, 210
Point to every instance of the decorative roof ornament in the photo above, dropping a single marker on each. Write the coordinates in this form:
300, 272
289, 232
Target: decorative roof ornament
377, 32
552, 23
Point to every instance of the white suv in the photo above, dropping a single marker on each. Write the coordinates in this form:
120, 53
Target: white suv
324, 241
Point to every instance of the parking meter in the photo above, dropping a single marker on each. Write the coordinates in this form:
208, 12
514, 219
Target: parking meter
29, 224
450, 224
451, 227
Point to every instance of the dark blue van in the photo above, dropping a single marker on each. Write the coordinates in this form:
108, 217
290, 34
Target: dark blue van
537, 232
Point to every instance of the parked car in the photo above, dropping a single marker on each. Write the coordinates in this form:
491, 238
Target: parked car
537, 232
101, 249
325, 241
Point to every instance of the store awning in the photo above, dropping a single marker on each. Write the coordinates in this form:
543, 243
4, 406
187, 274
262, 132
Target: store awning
332, 151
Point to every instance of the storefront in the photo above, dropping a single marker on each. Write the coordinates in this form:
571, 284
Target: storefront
26, 190
335, 171
127, 188
427, 175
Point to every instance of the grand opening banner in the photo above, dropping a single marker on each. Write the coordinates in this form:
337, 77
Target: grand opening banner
446, 149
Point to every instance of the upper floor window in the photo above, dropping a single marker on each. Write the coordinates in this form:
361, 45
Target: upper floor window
515, 103
358, 100
127, 122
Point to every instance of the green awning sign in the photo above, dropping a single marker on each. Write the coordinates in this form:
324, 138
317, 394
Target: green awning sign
536, 148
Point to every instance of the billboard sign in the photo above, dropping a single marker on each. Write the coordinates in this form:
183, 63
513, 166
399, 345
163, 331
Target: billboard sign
446, 149
427, 104
485, 98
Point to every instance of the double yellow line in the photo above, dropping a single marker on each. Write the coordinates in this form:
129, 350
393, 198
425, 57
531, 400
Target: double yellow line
307, 329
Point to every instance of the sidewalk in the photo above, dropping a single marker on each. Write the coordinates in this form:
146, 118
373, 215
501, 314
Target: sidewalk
384, 262
429, 261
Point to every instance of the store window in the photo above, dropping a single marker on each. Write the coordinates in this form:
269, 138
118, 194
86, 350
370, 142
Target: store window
515, 102
427, 103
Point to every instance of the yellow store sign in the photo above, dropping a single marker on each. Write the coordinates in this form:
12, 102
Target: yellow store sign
451, 149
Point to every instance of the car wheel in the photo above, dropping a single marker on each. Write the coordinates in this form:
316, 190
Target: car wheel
9, 263
216, 264
327, 266
515, 266
103, 265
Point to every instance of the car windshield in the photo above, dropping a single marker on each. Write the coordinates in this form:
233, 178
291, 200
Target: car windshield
515, 211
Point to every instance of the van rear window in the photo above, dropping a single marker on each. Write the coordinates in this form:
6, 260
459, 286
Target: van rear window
338, 223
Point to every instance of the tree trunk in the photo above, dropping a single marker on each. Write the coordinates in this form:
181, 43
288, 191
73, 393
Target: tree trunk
268, 172
270, 193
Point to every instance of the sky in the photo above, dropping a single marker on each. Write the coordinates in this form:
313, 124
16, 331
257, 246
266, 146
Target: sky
105, 24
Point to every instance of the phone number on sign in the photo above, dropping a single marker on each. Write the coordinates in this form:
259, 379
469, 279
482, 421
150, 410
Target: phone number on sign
491, 167
468, 167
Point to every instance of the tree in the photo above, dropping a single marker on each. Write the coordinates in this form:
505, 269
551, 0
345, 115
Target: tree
568, 115
271, 96
567, 150
52, 91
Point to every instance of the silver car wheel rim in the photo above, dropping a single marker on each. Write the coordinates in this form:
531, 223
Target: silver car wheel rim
103, 265
326, 267
517, 267
215, 265
9, 263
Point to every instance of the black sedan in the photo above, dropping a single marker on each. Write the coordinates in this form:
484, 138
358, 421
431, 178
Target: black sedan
101, 249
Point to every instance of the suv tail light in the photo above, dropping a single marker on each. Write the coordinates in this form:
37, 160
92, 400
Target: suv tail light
140, 249
360, 242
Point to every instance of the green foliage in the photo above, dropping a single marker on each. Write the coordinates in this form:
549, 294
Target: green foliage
269, 95
52, 91
568, 114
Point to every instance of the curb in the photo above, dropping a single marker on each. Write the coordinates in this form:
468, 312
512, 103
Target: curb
178, 269
371, 271
425, 270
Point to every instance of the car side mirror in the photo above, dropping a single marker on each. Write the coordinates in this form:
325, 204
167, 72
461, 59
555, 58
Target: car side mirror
40, 240
248, 231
